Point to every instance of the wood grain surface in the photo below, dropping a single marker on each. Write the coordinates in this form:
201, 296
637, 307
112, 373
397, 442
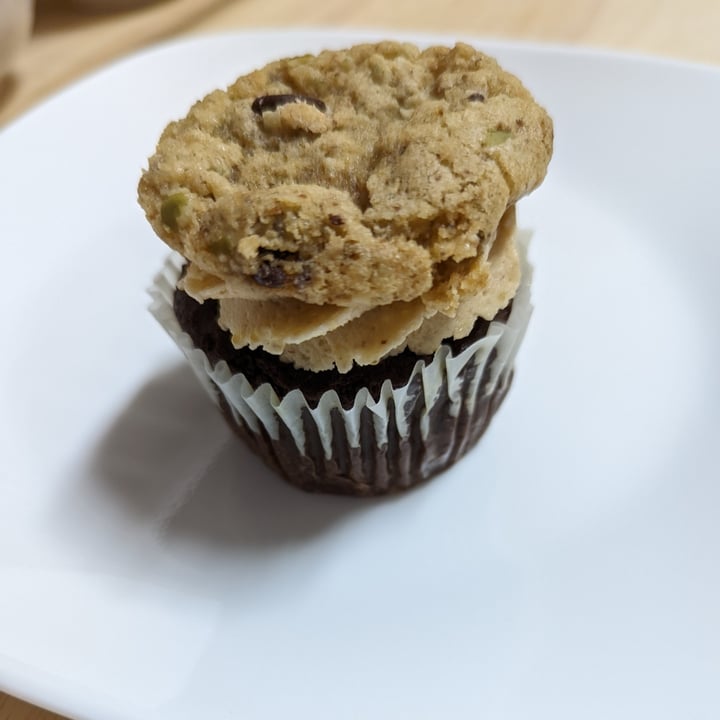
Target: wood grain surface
67, 43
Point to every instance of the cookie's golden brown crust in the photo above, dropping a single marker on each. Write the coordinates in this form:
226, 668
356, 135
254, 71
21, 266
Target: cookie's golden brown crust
384, 169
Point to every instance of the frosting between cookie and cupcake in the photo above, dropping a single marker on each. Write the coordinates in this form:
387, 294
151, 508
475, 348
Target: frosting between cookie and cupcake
319, 337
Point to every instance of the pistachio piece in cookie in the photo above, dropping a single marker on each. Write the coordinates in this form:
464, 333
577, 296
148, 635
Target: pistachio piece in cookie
172, 206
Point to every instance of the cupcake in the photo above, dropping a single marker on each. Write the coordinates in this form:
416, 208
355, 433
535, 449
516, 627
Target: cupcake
347, 280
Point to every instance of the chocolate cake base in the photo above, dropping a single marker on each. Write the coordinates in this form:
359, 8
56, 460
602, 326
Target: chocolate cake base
373, 468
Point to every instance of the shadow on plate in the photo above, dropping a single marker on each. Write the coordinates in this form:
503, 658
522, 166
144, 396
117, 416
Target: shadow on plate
170, 461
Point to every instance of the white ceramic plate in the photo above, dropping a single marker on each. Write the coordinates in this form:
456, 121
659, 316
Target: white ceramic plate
152, 569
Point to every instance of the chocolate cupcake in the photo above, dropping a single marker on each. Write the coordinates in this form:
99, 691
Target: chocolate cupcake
348, 283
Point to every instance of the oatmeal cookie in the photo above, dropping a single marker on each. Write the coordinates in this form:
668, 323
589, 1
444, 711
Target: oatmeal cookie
357, 177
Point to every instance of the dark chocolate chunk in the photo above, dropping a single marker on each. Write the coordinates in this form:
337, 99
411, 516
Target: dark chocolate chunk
268, 103
336, 220
476, 97
270, 275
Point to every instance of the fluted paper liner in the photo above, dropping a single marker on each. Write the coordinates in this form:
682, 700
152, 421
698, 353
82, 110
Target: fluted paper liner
405, 436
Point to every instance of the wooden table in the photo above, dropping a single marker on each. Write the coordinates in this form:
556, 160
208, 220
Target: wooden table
68, 43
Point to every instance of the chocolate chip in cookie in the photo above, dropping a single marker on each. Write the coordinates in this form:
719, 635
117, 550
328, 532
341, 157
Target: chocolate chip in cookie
273, 102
